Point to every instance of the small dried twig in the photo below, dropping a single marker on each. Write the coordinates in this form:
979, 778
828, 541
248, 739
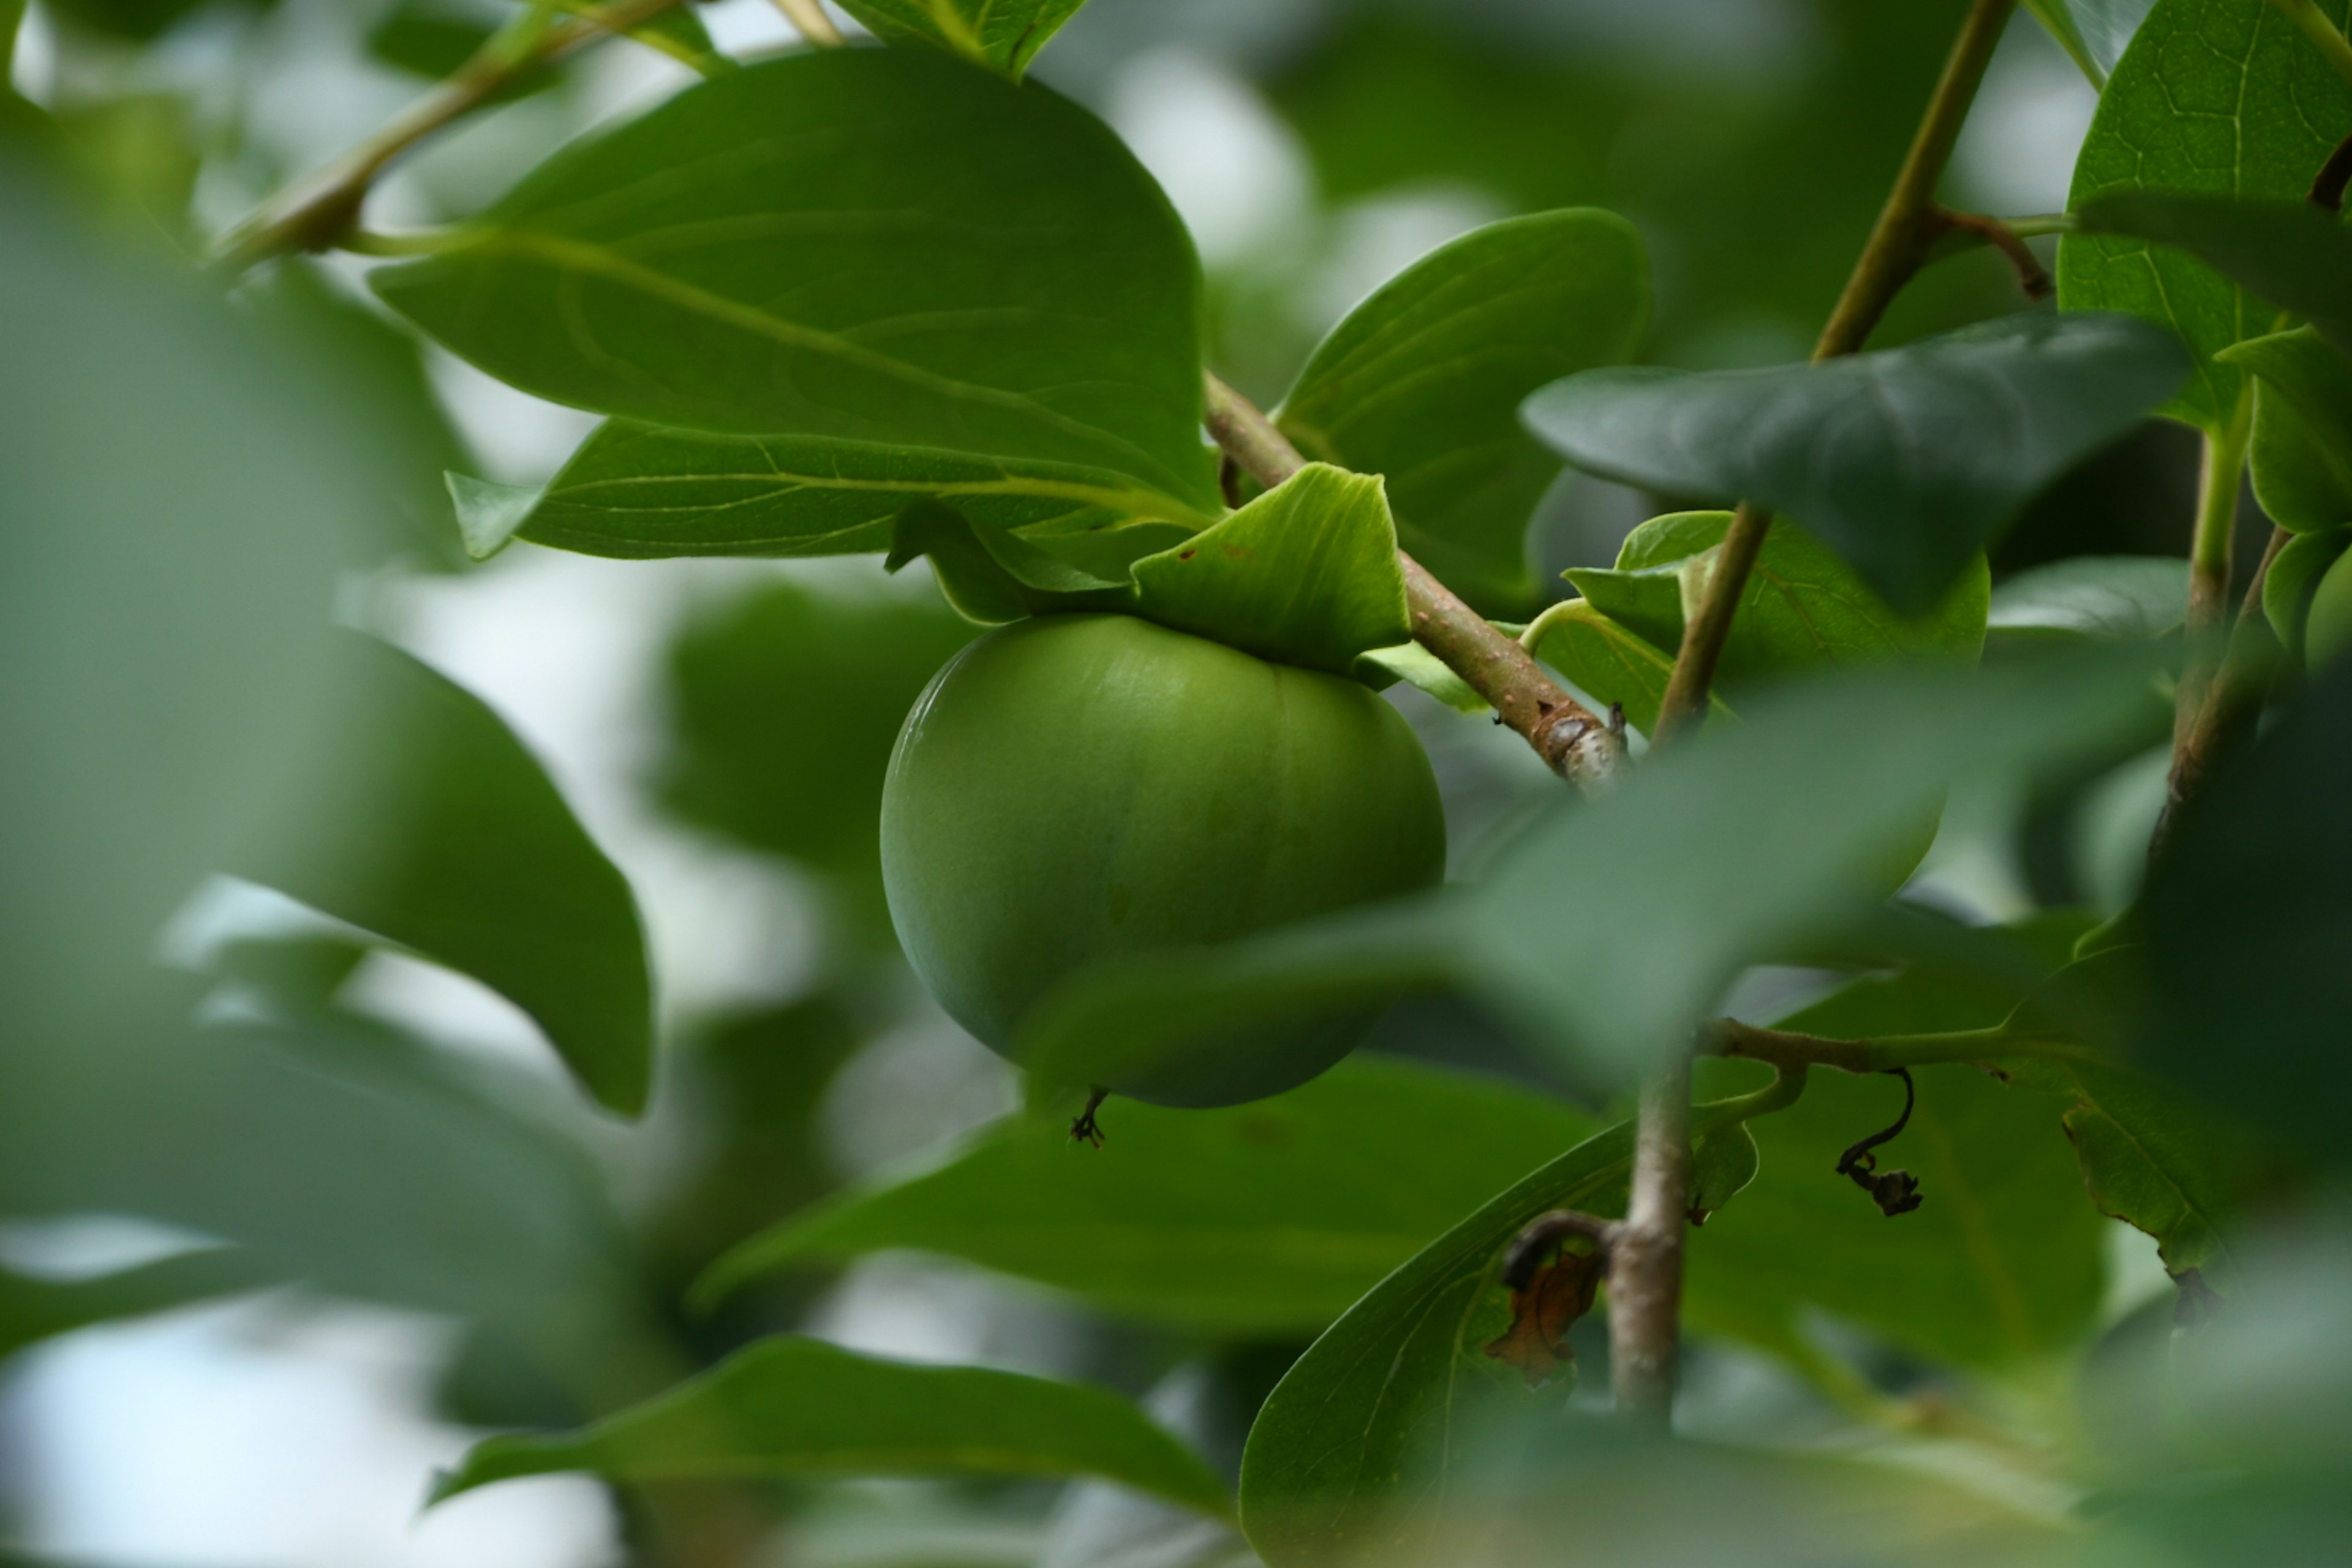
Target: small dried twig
1894, 1192
1541, 1235
2031, 275
1085, 1129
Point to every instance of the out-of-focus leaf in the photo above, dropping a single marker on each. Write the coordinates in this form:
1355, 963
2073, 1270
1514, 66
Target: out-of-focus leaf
1417, 667
2103, 598
2195, 105
2290, 254
2151, 1158
1722, 1167
488, 513
2295, 573
1906, 461
440, 832
1421, 383
795, 1406
787, 703
33, 1309
1999, 1264
2252, 882
880, 249
995, 33
139, 21
641, 491
1611, 663
141, 155
2095, 33
1802, 605
1305, 573
2302, 452
1261, 1219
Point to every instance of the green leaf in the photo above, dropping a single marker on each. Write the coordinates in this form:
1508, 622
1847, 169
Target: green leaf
2213, 96
2294, 574
490, 513
1421, 382
2252, 883
1722, 1166
2093, 32
795, 1406
33, 1309
1999, 1265
1417, 665
1611, 663
1906, 461
2105, 598
439, 831
1802, 605
992, 577
1354, 1414
879, 249
2302, 452
642, 492
1003, 34
1262, 1220
2153, 1159
1305, 573
2292, 254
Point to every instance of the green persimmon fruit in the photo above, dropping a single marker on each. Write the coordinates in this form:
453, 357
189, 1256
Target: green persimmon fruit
2327, 624
1077, 788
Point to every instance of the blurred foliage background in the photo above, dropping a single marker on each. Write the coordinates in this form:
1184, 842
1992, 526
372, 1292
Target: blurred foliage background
720, 729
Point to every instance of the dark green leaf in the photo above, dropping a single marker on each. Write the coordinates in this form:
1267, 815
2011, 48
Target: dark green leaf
1003, 34
794, 1406
1356, 1413
2253, 883
33, 1308
2302, 452
1608, 662
2290, 254
992, 576
2295, 573
1267, 1218
1421, 382
1417, 665
440, 832
138, 20
1307, 574
2151, 1158
2107, 598
1722, 1166
640, 491
880, 249
1802, 606
2215, 97
1906, 461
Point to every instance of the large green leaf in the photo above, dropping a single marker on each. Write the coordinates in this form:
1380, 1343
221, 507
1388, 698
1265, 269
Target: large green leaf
2294, 576
1421, 382
795, 1406
439, 831
2114, 598
1802, 605
2217, 97
890, 250
1003, 34
1307, 574
1356, 1414
2152, 1158
2252, 883
2001, 1263
1267, 1218
639, 492
2302, 451
1906, 461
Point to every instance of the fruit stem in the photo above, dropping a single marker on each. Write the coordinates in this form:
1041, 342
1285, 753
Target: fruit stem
1908, 227
1576, 742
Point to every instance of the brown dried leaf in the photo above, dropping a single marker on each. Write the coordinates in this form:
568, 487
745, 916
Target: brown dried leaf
1559, 1293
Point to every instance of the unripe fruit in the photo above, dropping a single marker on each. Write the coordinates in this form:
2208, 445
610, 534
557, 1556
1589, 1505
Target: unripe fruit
1076, 788
2327, 625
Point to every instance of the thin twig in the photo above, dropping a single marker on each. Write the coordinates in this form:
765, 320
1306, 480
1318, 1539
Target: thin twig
1788, 1049
1645, 1257
1907, 226
315, 212
2206, 632
1894, 1192
2231, 699
2031, 275
1540, 1234
2320, 31
1576, 742
809, 20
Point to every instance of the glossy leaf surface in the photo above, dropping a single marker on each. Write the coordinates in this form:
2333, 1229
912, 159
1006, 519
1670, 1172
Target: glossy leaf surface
1803, 607
2212, 98
2110, 598
2289, 253
442, 833
2302, 452
1421, 382
1003, 34
1906, 461
795, 1406
2295, 573
888, 250
1267, 1218
1305, 573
